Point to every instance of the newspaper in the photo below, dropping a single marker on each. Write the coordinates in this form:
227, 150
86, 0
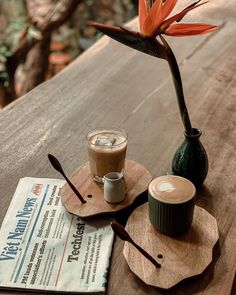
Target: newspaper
43, 247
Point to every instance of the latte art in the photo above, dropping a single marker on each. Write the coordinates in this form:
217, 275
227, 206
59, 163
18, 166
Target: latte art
164, 186
172, 189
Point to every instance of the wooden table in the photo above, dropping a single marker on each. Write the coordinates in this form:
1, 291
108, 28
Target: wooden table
111, 84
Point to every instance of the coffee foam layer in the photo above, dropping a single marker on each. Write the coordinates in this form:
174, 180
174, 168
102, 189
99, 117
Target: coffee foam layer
172, 189
116, 139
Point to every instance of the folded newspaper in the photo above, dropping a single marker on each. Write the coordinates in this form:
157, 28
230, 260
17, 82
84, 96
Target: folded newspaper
43, 247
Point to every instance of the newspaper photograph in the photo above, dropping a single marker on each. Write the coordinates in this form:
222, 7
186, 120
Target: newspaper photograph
43, 247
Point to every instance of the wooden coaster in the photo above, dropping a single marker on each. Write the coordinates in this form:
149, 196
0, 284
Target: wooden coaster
136, 178
180, 258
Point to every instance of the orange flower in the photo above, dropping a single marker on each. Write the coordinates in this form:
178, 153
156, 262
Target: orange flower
153, 20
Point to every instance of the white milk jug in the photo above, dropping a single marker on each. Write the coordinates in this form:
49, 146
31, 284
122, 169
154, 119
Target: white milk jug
114, 187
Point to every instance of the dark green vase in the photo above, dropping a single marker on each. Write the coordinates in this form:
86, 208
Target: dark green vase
190, 160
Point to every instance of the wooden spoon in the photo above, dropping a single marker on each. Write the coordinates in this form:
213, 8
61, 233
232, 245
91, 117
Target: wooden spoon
57, 166
123, 235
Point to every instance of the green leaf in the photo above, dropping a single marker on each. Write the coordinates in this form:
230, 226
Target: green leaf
34, 33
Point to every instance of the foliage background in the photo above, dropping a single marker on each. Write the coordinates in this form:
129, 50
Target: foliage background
52, 44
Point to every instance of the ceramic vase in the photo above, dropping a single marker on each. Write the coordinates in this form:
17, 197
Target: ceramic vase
190, 159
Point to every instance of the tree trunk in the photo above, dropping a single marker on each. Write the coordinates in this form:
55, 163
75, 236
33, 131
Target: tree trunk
2, 96
10, 92
56, 15
7, 94
36, 65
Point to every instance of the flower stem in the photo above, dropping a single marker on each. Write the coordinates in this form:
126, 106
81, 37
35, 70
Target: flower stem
178, 87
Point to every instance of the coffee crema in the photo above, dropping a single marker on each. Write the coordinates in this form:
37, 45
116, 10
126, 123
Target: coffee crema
172, 189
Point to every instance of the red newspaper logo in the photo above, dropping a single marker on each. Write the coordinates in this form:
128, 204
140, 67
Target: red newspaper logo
37, 189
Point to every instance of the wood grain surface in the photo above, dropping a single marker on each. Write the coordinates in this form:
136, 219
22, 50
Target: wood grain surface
180, 257
112, 85
136, 177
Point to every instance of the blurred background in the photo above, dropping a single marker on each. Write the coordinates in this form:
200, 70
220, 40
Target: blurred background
38, 38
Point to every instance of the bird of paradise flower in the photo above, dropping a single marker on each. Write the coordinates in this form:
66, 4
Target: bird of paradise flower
154, 22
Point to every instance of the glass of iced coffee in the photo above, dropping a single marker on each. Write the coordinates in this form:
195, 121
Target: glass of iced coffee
107, 151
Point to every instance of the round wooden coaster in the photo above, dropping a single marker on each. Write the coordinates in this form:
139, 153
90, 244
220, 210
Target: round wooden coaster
136, 178
180, 257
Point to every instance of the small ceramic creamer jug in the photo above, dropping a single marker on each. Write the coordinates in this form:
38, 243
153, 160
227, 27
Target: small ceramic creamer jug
114, 187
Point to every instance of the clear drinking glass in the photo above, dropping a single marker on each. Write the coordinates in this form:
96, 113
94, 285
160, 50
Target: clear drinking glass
107, 151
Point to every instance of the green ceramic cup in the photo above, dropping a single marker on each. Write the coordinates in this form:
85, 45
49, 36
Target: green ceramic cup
171, 204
